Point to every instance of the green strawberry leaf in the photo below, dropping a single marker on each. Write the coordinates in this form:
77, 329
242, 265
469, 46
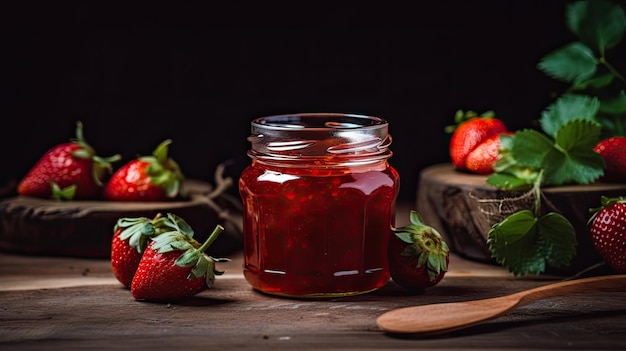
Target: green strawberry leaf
559, 242
171, 241
574, 63
574, 160
524, 244
507, 181
597, 82
529, 147
599, 24
177, 223
567, 108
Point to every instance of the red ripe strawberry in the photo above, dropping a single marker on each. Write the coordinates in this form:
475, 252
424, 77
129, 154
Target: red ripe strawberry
613, 151
147, 178
174, 267
482, 159
418, 257
468, 135
68, 171
131, 237
608, 232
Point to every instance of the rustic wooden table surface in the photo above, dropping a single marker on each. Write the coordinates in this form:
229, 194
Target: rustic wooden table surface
74, 304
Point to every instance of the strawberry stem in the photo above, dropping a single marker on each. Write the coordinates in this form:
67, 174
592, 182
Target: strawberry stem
216, 232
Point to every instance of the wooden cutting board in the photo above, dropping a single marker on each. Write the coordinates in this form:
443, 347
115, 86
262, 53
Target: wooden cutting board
463, 207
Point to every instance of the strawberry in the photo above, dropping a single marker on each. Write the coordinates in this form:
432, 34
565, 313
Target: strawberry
608, 231
173, 267
146, 178
418, 257
68, 171
613, 151
131, 237
466, 150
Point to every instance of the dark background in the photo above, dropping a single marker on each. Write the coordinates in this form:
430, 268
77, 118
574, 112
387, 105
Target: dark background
138, 74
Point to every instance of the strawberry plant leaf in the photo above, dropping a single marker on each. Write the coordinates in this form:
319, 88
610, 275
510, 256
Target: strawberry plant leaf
525, 244
597, 82
404, 236
507, 181
574, 63
573, 160
599, 24
189, 258
513, 244
529, 147
568, 108
559, 239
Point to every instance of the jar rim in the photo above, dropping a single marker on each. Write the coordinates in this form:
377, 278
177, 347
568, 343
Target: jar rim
322, 121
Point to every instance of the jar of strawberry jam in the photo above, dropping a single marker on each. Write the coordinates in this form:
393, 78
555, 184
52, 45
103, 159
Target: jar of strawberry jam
318, 204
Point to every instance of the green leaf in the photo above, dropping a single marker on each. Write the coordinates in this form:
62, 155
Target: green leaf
599, 24
513, 244
507, 181
525, 244
574, 160
529, 147
189, 258
559, 239
405, 236
568, 108
573, 63
597, 82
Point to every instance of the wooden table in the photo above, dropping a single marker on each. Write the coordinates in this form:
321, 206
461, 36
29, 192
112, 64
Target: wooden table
74, 304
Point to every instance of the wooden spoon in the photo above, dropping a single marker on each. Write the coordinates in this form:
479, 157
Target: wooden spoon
446, 317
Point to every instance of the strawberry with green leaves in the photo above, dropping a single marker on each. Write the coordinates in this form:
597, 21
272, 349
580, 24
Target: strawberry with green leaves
68, 171
174, 267
613, 151
418, 257
132, 236
146, 178
475, 141
608, 231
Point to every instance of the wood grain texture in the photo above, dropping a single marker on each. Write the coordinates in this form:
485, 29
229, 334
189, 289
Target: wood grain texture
233, 316
463, 207
84, 228
438, 318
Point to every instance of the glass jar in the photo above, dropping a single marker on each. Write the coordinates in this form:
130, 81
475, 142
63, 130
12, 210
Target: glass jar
319, 202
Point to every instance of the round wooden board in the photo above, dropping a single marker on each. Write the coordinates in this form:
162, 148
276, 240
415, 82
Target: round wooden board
463, 207
85, 228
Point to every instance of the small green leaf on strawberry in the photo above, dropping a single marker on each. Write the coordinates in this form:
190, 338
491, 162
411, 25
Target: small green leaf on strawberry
132, 236
174, 266
418, 257
68, 171
146, 178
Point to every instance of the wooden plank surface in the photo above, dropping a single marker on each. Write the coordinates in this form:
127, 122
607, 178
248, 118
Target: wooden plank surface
71, 303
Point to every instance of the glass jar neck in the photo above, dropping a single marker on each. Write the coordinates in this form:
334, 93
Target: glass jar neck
332, 139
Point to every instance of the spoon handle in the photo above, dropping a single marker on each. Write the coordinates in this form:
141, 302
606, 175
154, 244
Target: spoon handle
615, 282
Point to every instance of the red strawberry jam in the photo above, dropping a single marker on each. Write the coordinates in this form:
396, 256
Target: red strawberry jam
319, 204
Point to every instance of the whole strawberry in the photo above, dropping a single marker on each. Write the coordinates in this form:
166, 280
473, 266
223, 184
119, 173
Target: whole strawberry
468, 135
613, 151
68, 171
132, 236
608, 232
146, 178
173, 267
418, 257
